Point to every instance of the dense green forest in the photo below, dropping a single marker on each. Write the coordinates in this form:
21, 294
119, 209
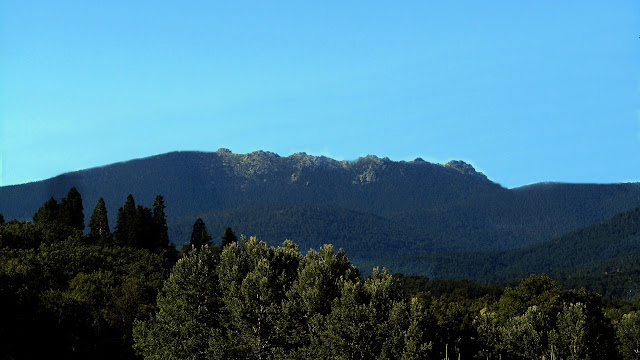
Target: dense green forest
65, 293
71, 292
602, 257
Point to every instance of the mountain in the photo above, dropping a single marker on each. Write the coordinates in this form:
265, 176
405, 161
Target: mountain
603, 257
373, 207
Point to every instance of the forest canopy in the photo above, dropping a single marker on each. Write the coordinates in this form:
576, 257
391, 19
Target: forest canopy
129, 294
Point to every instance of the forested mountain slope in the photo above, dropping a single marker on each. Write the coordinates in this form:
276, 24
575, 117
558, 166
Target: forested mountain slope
604, 257
372, 206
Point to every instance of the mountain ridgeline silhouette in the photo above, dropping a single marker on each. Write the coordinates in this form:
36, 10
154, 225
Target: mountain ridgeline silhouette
372, 207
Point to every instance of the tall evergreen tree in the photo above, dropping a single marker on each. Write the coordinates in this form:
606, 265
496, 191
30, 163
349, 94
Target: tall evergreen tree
99, 232
47, 213
161, 231
71, 210
1, 219
125, 232
199, 235
143, 234
229, 237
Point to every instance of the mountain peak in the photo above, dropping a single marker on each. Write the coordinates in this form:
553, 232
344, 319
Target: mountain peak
224, 151
464, 168
261, 154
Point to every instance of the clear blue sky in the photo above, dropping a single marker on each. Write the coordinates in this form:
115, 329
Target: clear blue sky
526, 91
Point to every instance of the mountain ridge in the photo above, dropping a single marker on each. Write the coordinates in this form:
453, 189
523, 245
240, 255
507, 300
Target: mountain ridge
591, 256
435, 207
302, 157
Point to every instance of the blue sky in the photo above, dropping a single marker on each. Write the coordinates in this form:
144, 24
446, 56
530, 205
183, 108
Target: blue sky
526, 91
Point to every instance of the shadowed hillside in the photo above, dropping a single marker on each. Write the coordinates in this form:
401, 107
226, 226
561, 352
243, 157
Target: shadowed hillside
603, 257
371, 206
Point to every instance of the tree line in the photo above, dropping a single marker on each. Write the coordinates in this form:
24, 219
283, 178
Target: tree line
130, 294
71, 292
252, 301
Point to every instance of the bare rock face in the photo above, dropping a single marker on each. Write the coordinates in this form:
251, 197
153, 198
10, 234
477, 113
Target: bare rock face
464, 168
369, 169
261, 166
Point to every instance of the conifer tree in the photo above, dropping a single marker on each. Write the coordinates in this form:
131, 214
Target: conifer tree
99, 232
48, 212
1, 219
125, 231
228, 238
143, 234
161, 231
71, 210
199, 235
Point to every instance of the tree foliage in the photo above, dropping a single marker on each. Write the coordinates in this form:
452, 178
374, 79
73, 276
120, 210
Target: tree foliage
160, 228
228, 237
125, 231
78, 300
47, 213
628, 331
141, 227
71, 211
256, 302
199, 236
82, 297
99, 232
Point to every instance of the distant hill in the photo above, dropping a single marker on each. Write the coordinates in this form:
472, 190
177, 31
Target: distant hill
373, 207
603, 257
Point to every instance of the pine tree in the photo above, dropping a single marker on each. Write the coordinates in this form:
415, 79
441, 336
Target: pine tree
1, 219
125, 232
161, 231
143, 229
99, 232
228, 238
71, 210
47, 213
199, 235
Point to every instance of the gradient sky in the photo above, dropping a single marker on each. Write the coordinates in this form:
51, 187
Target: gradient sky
526, 91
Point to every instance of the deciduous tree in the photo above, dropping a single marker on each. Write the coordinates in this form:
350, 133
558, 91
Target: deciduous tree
628, 331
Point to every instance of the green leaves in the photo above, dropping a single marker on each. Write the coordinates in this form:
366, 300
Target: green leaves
570, 338
76, 299
628, 331
188, 307
557, 324
258, 302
